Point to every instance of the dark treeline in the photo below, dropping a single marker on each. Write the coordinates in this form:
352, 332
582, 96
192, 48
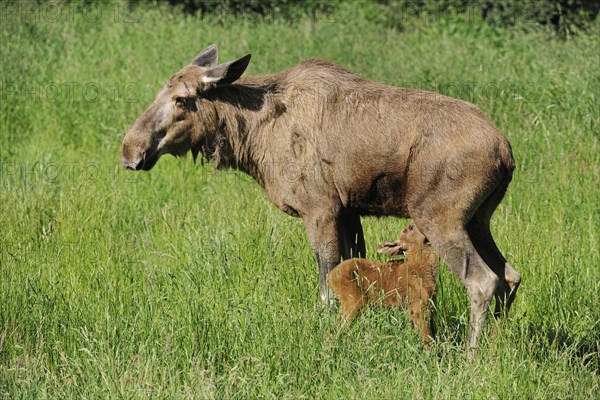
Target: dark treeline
563, 16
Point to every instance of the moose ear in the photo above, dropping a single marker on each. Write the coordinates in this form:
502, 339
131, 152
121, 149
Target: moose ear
207, 57
393, 249
227, 72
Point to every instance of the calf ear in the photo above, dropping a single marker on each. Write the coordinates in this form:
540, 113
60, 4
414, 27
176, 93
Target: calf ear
227, 72
207, 57
393, 249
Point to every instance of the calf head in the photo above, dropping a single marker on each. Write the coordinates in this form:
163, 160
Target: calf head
410, 237
182, 117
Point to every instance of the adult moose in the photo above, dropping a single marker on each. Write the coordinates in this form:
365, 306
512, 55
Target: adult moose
329, 146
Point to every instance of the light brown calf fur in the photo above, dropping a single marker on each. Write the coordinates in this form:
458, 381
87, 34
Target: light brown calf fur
330, 146
410, 283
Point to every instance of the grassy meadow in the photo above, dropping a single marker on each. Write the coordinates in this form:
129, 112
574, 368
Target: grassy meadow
188, 283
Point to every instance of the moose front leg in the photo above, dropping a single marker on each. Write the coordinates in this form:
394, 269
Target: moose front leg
323, 235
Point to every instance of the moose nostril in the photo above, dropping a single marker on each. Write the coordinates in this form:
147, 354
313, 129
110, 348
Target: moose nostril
139, 164
133, 165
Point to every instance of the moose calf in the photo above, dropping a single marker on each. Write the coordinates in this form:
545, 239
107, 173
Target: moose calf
410, 283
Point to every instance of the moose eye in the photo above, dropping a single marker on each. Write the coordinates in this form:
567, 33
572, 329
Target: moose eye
181, 101
410, 227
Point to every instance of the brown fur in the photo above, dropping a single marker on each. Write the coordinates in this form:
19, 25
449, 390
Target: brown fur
330, 146
410, 283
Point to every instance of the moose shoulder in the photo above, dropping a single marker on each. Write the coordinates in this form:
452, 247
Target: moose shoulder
329, 146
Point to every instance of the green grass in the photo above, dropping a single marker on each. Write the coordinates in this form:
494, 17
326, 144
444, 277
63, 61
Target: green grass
184, 283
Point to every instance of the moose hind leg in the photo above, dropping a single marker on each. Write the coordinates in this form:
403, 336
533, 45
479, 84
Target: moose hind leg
481, 236
458, 252
509, 279
513, 279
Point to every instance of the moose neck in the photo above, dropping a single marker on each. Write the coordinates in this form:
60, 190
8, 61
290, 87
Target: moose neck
242, 110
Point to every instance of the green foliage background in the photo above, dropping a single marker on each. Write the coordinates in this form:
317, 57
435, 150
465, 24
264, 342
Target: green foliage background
564, 16
184, 283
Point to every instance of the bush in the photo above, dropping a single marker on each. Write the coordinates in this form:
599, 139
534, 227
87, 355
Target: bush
258, 7
565, 16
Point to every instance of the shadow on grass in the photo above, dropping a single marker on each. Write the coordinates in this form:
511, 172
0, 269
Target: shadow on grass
585, 349
550, 340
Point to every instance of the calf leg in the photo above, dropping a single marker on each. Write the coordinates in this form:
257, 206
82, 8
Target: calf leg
323, 235
420, 312
344, 282
351, 304
350, 235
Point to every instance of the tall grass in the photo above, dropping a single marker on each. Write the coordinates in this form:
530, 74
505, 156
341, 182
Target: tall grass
184, 283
